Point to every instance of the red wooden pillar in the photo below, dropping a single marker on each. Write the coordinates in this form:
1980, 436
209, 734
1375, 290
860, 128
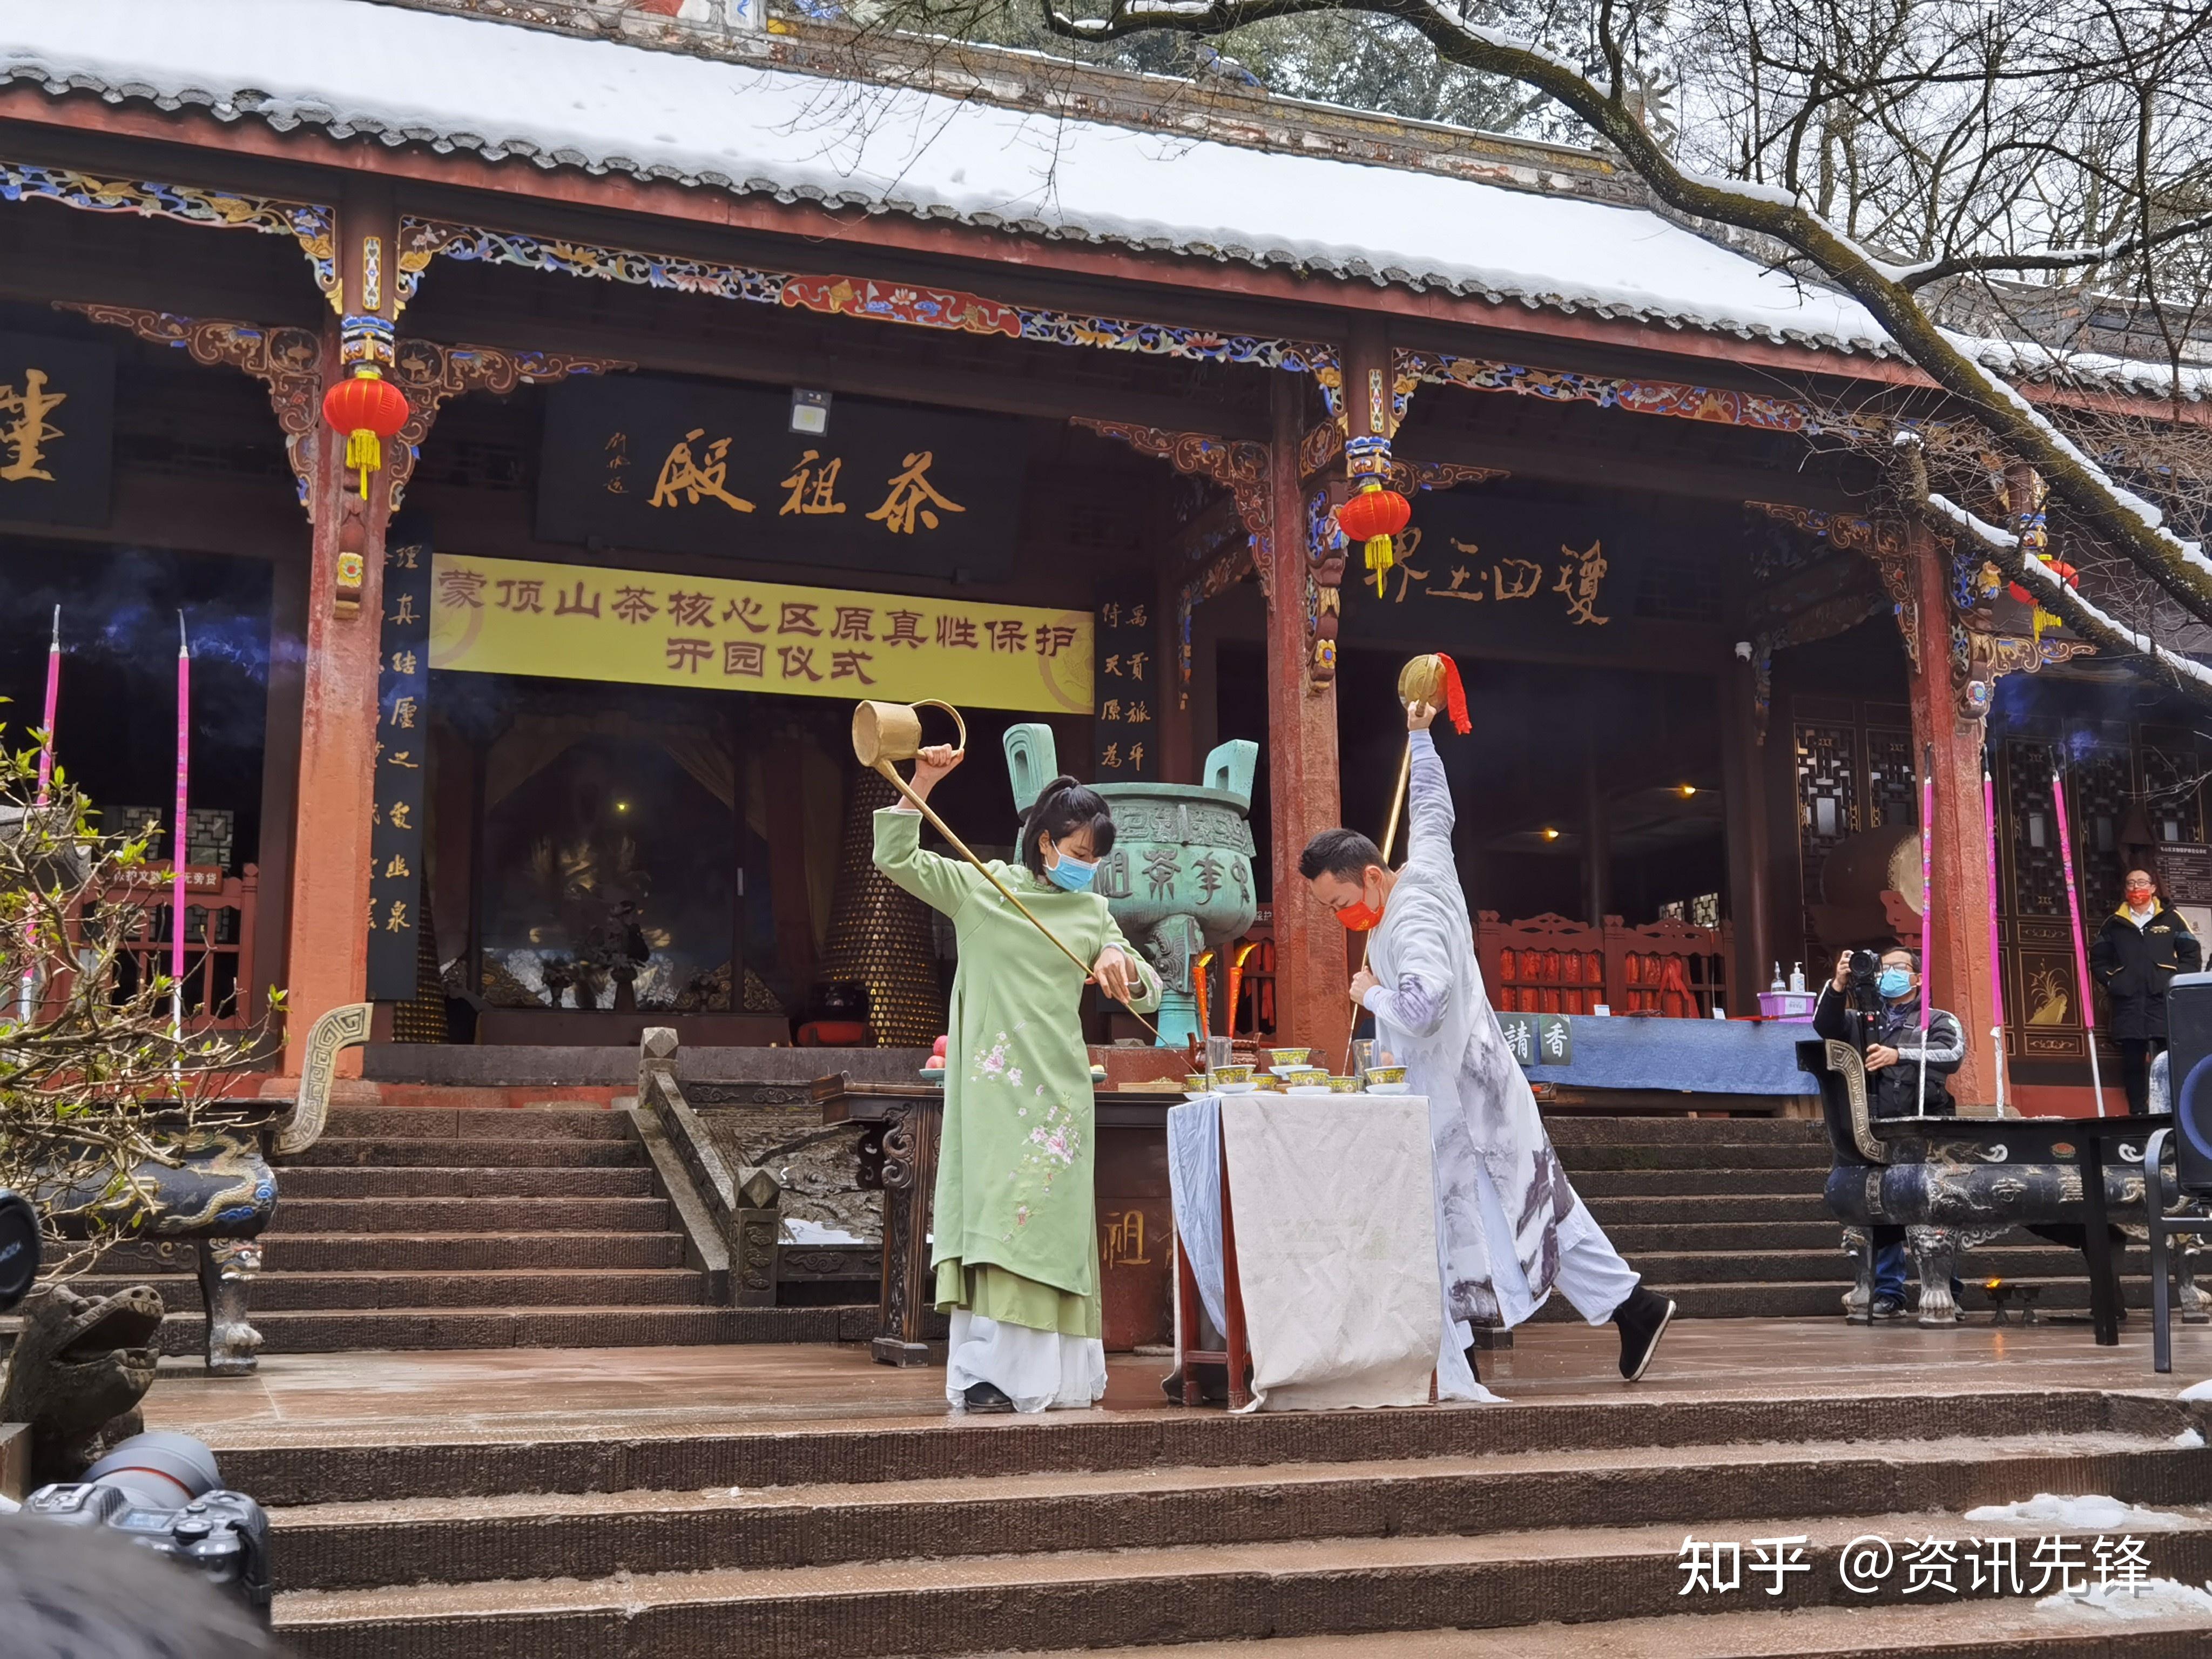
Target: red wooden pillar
327, 964
1304, 788
1962, 976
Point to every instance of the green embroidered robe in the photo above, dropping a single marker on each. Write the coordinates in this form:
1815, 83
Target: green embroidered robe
1016, 1237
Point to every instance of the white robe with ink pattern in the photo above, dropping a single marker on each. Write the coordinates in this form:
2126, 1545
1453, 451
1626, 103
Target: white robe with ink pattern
1432, 1013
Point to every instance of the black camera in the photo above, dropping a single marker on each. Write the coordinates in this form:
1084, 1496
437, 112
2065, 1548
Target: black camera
19, 1250
162, 1492
1861, 993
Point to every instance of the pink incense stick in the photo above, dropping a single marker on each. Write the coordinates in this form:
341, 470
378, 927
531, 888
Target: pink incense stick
2081, 957
1927, 921
1996, 955
177, 840
53, 703
30, 986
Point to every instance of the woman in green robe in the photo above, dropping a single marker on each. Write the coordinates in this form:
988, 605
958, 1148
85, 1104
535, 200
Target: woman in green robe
1016, 1250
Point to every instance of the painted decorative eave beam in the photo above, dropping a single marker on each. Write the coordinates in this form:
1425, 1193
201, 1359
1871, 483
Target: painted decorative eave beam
694, 209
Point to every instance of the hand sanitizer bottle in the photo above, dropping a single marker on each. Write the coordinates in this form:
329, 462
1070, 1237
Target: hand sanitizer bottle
1777, 986
1797, 976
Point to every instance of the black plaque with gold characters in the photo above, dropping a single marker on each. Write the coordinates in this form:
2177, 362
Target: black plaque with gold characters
403, 756
1125, 709
57, 429
691, 468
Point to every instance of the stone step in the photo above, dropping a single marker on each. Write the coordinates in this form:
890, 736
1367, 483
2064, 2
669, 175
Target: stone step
1594, 1184
1735, 1206
446, 1122
1578, 1129
1182, 1592
2015, 1628
1630, 1237
489, 1215
340, 1331
335, 1547
294, 1183
387, 1462
1823, 1299
452, 1152
367, 1289
1579, 1156
2036, 1260
399, 1252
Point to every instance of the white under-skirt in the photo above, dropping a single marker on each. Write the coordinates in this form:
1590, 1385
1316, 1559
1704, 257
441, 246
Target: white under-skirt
1038, 1370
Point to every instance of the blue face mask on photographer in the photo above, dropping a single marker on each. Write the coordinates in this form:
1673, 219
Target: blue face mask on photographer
1072, 875
1893, 983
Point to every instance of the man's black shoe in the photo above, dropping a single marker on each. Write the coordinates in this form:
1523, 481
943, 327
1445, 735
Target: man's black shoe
1643, 1319
986, 1397
1887, 1307
1213, 1380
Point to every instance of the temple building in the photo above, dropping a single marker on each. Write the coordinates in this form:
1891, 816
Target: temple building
737, 374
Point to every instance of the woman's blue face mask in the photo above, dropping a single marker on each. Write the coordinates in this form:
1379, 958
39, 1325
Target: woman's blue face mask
1071, 875
1893, 983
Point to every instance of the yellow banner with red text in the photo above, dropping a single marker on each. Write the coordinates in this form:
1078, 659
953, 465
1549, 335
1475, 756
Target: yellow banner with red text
639, 628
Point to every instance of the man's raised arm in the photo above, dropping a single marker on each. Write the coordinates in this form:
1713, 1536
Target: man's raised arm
1428, 802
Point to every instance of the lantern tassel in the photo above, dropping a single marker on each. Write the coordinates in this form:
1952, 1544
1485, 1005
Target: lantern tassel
1380, 558
364, 454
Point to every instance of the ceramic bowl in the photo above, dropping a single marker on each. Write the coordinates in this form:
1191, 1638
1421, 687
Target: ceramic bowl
1308, 1076
1195, 1084
1280, 1057
1223, 1074
1383, 1077
1344, 1085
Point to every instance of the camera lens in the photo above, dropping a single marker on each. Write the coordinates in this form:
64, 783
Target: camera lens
19, 1249
159, 1470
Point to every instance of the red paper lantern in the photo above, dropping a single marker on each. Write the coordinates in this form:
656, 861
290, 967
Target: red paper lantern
1372, 515
369, 408
2058, 568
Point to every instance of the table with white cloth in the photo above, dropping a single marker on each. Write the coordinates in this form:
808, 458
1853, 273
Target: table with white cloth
1331, 1227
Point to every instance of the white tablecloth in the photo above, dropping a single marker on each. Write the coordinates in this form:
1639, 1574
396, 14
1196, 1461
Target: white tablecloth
1336, 1255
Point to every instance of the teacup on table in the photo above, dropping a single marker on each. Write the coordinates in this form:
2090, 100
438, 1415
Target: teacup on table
1307, 1076
1289, 1056
1344, 1085
1386, 1080
1230, 1079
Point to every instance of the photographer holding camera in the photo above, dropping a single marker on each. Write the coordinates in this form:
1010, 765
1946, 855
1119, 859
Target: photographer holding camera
1874, 1004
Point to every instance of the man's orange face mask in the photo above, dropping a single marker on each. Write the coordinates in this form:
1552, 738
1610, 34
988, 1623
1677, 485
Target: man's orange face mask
1362, 917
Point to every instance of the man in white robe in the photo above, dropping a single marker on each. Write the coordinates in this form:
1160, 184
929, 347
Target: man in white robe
1508, 1226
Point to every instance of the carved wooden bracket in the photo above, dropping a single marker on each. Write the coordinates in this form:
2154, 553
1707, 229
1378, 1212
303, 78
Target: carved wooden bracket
1237, 464
1882, 540
289, 361
430, 374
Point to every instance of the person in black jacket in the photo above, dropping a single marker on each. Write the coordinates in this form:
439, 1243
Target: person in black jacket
2139, 950
1889, 1041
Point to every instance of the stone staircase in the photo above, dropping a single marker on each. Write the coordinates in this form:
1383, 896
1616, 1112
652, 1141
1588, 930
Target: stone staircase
420, 1227
1725, 1215
1556, 1526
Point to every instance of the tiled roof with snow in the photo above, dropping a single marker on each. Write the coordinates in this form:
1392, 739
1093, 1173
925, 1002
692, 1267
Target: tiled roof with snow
461, 83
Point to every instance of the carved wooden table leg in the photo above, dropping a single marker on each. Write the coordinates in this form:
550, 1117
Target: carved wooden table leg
909, 1331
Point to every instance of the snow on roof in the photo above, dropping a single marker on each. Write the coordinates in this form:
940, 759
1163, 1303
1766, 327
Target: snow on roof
354, 67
